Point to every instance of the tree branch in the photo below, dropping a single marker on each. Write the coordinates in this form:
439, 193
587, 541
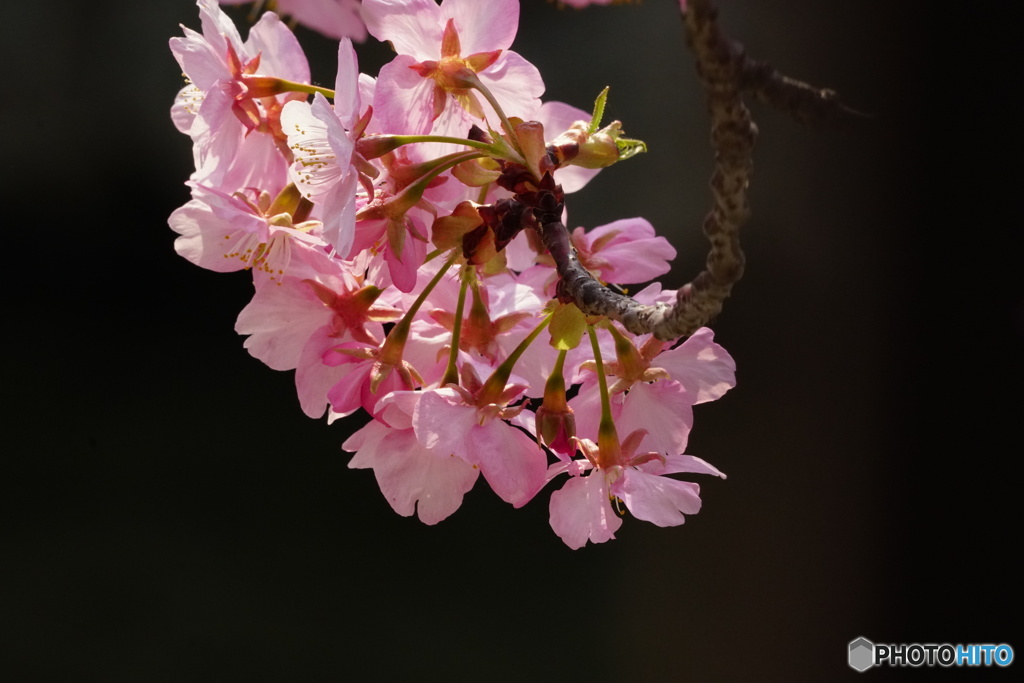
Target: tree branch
725, 73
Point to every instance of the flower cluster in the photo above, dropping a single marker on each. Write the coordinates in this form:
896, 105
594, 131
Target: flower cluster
391, 229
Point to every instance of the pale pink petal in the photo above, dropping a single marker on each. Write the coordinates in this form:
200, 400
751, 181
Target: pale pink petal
581, 511
660, 500
198, 59
586, 406
483, 25
512, 462
664, 409
202, 237
442, 422
340, 214
413, 26
635, 253
699, 364
674, 464
410, 475
315, 169
186, 104
334, 18
337, 136
313, 379
257, 163
216, 135
347, 102
280, 53
396, 408
280, 319
402, 100
219, 30
516, 84
364, 444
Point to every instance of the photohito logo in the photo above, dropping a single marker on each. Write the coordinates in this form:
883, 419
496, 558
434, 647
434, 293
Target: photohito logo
863, 654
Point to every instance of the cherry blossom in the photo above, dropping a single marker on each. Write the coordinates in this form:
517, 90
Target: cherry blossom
583, 509
442, 50
233, 92
395, 231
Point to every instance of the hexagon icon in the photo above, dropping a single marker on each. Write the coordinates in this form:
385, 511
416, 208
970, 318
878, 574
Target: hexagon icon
862, 654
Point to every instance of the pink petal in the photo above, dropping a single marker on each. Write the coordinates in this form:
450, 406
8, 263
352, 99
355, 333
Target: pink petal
334, 18
313, 379
413, 26
702, 366
664, 409
516, 84
635, 253
198, 60
442, 421
402, 100
674, 464
659, 500
581, 511
346, 85
483, 25
280, 53
512, 462
280, 319
409, 474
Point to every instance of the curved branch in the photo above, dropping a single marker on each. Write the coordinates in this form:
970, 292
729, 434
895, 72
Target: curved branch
725, 73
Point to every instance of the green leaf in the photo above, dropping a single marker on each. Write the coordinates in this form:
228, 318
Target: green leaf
595, 120
629, 147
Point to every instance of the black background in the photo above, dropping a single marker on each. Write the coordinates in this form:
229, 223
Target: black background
172, 515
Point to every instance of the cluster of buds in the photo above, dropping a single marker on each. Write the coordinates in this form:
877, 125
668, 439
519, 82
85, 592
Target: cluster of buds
395, 230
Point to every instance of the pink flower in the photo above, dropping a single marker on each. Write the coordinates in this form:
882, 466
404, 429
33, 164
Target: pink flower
468, 423
625, 251
410, 476
424, 90
226, 233
583, 510
228, 96
282, 318
654, 390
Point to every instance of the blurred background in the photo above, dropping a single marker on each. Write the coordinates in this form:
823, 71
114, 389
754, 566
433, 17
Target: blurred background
172, 515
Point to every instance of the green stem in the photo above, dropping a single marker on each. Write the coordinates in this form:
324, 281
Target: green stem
451, 373
292, 86
509, 130
482, 197
555, 386
495, 384
412, 193
400, 332
606, 428
411, 139
442, 164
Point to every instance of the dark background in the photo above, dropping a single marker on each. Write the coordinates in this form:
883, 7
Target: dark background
173, 516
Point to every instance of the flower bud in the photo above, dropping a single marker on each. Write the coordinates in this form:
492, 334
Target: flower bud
600, 150
555, 430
